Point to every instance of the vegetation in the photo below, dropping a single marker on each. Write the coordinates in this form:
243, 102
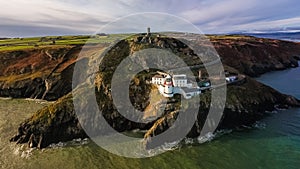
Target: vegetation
58, 122
19, 77
228, 37
9, 44
46, 41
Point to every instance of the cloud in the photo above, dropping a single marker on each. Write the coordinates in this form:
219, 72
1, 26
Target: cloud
21, 30
35, 17
233, 15
215, 11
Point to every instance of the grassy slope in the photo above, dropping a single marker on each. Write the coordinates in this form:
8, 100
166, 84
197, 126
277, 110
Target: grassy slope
47, 41
11, 44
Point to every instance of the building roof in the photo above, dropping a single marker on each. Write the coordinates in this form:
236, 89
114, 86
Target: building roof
158, 76
179, 76
189, 90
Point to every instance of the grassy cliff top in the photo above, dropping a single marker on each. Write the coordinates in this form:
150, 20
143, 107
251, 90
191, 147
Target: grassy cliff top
11, 44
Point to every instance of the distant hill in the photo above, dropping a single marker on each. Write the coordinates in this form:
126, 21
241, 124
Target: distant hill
291, 36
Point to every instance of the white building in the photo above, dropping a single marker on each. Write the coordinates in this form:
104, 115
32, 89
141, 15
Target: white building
158, 79
180, 80
177, 84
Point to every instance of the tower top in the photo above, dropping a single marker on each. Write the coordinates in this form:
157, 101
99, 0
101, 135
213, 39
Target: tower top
148, 31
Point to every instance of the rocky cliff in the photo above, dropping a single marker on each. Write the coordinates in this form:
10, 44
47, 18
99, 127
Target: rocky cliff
42, 73
37, 73
246, 102
255, 56
45, 73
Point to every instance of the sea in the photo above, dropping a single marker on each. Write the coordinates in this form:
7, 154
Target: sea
272, 143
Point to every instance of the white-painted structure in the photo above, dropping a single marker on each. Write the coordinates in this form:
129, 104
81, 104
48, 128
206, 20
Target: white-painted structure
177, 84
180, 80
168, 87
158, 79
231, 78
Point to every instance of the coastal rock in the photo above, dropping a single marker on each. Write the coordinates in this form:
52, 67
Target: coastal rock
23, 73
51, 124
246, 102
255, 56
44, 73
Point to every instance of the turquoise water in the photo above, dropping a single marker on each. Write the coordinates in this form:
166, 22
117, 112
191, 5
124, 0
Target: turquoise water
273, 143
287, 81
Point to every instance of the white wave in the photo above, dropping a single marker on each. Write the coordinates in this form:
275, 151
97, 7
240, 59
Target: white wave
78, 141
171, 146
272, 112
277, 107
246, 127
163, 148
189, 141
259, 125
5, 98
57, 145
206, 138
27, 153
23, 151
74, 142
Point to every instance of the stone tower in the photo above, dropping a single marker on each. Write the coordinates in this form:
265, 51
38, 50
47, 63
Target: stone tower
148, 31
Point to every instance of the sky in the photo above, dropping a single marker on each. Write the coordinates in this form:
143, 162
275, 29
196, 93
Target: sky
23, 18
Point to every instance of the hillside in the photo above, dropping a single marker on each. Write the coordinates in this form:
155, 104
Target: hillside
255, 56
246, 101
24, 73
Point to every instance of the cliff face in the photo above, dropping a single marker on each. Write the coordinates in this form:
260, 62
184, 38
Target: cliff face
51, 124
246, 102
37, 73
46, 73
43, 73
255, 56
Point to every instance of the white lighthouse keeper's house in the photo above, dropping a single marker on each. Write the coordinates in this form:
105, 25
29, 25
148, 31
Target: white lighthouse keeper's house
169, 85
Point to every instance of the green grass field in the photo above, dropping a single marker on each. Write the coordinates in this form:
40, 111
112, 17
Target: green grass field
46, 41
11, 44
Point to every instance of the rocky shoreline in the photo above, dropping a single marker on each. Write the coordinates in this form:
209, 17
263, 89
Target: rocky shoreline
246, 102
